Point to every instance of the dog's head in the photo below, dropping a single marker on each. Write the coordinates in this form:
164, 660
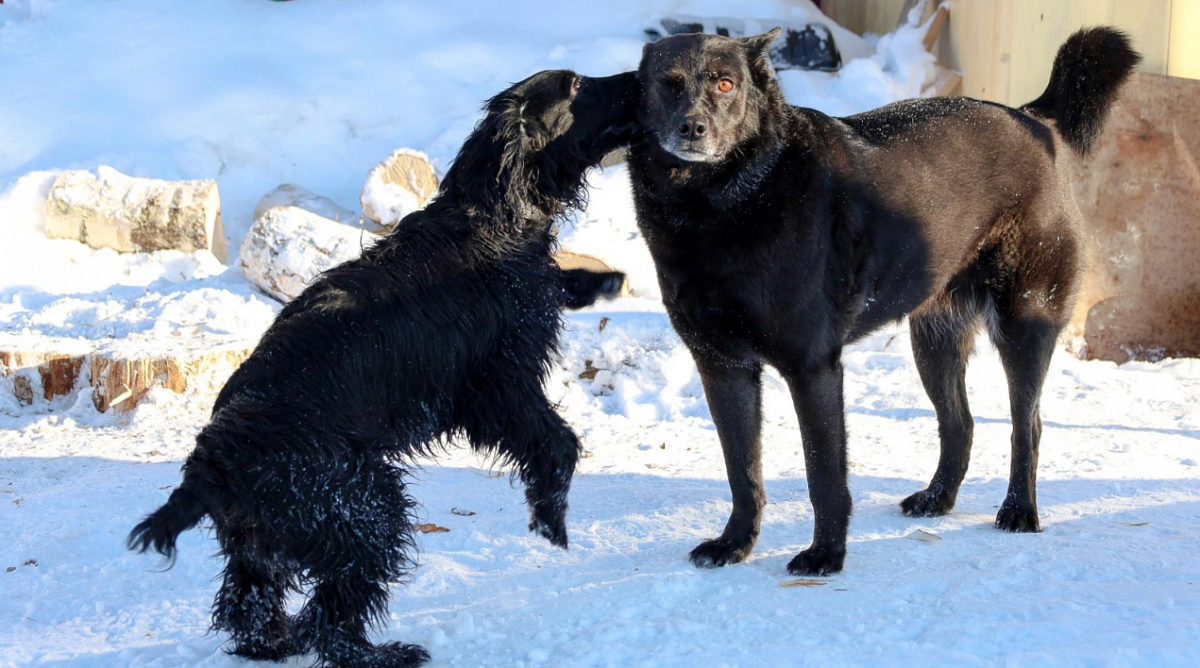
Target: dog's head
703, 95
538, 139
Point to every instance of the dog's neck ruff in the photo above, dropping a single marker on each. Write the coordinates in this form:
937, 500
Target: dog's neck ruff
746, 181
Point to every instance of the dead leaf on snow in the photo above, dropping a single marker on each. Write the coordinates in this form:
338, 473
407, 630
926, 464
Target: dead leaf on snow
463, 513
589, 371
431, 528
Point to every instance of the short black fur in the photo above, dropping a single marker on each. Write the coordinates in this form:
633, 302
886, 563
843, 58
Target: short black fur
443, 329
780, 234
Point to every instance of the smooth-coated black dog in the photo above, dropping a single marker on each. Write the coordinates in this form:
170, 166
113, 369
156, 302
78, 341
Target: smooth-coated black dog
781, 234
445, 328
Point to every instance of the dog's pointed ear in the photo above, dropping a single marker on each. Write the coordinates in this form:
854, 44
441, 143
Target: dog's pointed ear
758, 53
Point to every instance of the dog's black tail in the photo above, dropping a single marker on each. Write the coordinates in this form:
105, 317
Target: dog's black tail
1088, 72
182, 511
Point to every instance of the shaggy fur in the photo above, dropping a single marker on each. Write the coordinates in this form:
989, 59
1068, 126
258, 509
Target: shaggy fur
443, 329
781, 234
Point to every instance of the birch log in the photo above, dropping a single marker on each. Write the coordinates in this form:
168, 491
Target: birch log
109, 209
287, 247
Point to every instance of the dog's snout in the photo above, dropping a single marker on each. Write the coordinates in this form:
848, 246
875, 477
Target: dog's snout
692, 127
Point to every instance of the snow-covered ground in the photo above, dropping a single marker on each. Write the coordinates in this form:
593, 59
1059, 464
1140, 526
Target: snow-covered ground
314, 92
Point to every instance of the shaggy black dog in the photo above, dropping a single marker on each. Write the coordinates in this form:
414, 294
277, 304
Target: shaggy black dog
780, 235
445, 328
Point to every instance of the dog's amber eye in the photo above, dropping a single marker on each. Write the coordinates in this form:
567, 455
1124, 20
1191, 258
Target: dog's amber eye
575, 83
725, 85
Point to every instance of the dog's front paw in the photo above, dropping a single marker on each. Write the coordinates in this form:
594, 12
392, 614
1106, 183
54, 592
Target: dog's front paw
818, 561
927, 503
551, 526
1017, 518
611, 286
720, 552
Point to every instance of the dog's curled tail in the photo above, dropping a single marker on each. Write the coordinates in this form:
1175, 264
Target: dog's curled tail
182, 511
1088, 72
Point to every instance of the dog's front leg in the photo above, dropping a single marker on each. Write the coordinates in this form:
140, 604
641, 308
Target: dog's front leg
735, 400
583, 287
817, 394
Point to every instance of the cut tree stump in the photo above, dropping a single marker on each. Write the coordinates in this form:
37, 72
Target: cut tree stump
121, 382
45, 375
119, 375
111, 210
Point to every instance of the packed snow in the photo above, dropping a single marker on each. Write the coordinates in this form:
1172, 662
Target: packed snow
315, 92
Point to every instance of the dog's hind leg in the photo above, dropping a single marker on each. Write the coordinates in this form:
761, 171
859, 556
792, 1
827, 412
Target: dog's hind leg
735, 401
250, 607
1026, 345
360, 542
1040, 265
942, 339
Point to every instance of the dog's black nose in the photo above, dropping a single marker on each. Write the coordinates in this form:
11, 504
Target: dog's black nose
692, 128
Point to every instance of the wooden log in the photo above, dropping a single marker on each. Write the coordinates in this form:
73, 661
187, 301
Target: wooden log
111, 210
293, 195
287, 247
935, 28
404, 182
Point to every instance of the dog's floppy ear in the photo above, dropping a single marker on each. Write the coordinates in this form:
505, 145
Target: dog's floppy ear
758, 53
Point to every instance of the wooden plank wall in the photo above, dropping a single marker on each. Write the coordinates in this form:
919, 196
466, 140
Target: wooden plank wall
1183, 58
1040, 27
1005, 48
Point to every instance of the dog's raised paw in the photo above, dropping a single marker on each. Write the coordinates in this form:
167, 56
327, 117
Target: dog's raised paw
817, 561
612, 285
720, 552
1017, 519
927, 503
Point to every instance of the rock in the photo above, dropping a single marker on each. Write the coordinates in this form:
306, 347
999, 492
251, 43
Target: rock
111, 210
401, 184
1139, 193
571, 260
288, 246
292, 195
